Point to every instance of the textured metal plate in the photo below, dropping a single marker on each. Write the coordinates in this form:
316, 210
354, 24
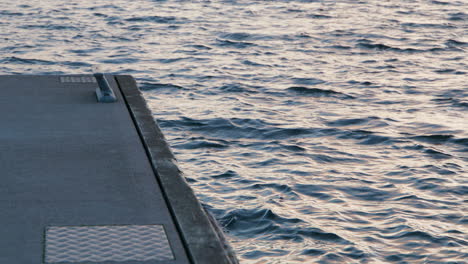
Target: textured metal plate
106, 243
77, 79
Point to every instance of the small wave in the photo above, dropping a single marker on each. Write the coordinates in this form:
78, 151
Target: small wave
461, 141
456, 98
339, 47
248, 222
254, 222
85, 51
366, 193
375, 139
450, 71
354, 253
256, 64
400, 258
308, 81
236, 128
238, 88
303, 35
107, 6
243, 36
315, 191
437, 154
77, 64
428, 25
313, 252
318, 16
439, 170
123, 61
318, 234
284, 133
331, 258
358, 134
100, 15
236, 36
225, 175
294, 10
460, 16
9, 13
49, 27
234, 44
371, 121
455, 190
172, 60
454, 43
264, 163
365, 83
256, 254
197, 144
383, 47
322, 158
16, 60
148, 86
435, 2
424, 236
200, 47
280, 188
154, 19
316, 92
434, 139
294, 148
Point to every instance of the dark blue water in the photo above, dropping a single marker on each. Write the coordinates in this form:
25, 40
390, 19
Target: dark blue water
315, 131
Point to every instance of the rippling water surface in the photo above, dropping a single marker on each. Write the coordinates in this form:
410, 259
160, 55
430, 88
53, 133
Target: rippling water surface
315, 131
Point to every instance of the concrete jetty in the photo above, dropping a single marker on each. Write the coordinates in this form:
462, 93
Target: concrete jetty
87, 177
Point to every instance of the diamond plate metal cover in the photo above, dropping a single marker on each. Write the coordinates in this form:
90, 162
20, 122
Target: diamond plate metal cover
106, 243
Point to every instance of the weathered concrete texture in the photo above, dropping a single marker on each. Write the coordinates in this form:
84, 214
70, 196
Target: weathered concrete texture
67, 160
204, 241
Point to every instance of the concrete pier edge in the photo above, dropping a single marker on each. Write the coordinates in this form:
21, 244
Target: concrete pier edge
201, 238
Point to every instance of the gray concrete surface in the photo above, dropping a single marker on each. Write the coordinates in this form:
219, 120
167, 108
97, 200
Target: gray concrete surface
67, 160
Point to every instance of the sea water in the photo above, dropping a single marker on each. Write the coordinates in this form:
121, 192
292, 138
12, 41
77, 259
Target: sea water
315, 131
